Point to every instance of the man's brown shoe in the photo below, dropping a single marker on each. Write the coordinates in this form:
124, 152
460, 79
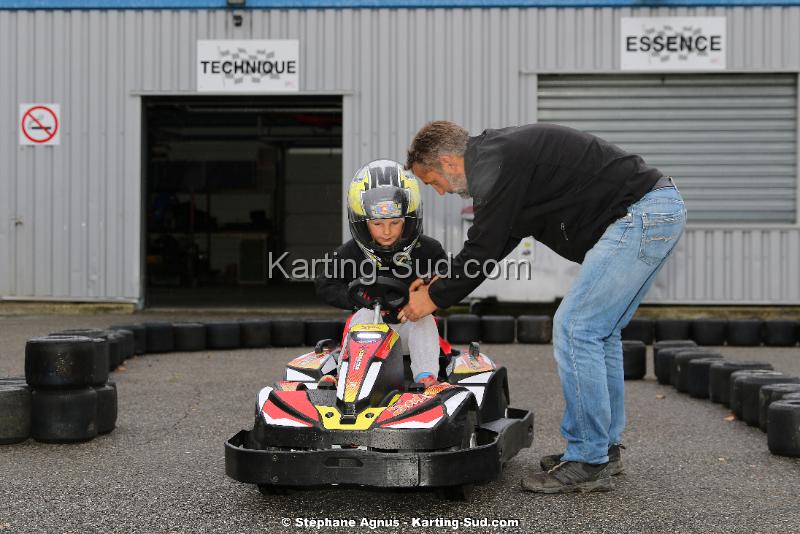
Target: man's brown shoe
568, 477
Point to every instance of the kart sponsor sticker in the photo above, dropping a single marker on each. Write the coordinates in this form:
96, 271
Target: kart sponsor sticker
466, 364
312, 360
387, 209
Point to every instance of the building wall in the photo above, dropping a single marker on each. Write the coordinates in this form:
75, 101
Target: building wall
71, 216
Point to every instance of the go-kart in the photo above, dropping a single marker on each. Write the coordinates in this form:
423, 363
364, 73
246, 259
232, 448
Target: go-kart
374, 426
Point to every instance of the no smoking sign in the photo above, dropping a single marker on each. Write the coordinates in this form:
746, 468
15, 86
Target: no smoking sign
39, 124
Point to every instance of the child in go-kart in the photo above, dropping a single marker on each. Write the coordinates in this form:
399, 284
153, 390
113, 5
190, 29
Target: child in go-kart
384, 208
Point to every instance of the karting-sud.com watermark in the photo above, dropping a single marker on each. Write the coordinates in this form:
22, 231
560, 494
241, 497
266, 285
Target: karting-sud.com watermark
447, 523
282, 266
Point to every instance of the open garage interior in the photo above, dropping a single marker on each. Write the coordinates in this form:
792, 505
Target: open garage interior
230, 181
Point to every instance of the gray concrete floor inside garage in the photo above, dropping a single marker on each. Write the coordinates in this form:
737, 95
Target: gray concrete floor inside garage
162, 469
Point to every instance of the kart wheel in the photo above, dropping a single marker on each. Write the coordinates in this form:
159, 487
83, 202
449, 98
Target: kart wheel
223, 335
497, 329
15, 412
668, 329
634, 361
534, 329
255, 333
744, 333
139, 336
462, 492
189, 337
639, 329
270, 489
60, 361
463, 328
780, 333
287, 332
160, 337
709, 332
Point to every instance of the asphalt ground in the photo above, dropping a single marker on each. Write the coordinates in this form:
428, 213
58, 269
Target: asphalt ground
162, 469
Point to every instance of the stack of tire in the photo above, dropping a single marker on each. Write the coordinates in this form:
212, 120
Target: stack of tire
66, 396
715, 332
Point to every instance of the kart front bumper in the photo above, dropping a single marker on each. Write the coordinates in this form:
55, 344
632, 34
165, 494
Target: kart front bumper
498, 441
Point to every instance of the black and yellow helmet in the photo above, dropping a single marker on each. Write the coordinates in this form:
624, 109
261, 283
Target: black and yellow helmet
382, 189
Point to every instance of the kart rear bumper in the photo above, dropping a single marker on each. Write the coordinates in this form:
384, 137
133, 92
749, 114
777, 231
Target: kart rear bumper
498, 441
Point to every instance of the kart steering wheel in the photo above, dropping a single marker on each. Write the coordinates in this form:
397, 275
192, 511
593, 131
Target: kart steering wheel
391, 294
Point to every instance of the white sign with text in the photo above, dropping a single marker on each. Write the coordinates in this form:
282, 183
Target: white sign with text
672, 43
248, 66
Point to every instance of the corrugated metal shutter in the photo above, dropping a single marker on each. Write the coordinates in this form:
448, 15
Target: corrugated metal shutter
730, 140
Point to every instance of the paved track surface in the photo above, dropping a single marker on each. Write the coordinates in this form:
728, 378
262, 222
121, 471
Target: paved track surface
161, 470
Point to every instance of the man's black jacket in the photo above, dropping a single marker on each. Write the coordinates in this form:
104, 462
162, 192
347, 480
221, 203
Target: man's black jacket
332, 285
559, 185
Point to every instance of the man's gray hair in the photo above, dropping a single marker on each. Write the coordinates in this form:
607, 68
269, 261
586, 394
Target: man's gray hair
435, 139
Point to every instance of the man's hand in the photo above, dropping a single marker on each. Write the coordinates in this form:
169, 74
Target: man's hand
419, 302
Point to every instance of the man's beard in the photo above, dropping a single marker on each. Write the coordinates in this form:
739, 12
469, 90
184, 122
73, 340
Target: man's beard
458, 183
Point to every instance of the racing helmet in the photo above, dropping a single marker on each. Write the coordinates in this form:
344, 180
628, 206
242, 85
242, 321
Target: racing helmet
382, 189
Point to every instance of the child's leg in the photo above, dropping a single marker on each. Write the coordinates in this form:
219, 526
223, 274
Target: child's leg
423, 345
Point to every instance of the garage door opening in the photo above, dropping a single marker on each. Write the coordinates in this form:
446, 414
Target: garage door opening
230, 181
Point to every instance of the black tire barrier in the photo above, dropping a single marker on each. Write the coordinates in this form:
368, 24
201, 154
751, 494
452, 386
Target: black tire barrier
111, 337
639, 329
783, 427
463, 328
106, 408
497, 329
287, 332
255, 333
673, 329
658, 346
679, 370
102, 364
719, 378
698, 378
744, 333
769, 394
709, 332
60, 361
751, 395
127, 343
634, 359
63, 415
15, 412
139, 336
316, 329
536, 329
223, 335
662, 363
736, 384
159, 337
189, 337
780, 333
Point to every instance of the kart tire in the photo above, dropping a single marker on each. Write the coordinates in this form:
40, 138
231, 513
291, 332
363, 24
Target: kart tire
317, 329
673, 329
769, 394
536, 329
463, 328
751, 395
744, 333
189, 337
61, 362
737, 387
709, 332
679, 371
662, 363
497, 329
719, 378
255, 333
698, 376
106, 408
63, 416
223, 335
634, 359
672, 344
639, 329
139, 336
783, 427
127, 343
159, 337
780, 333
115, 343
15, 412
287, 332
109, 351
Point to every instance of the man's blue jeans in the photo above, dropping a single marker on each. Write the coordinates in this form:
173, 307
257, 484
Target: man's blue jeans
615, 276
